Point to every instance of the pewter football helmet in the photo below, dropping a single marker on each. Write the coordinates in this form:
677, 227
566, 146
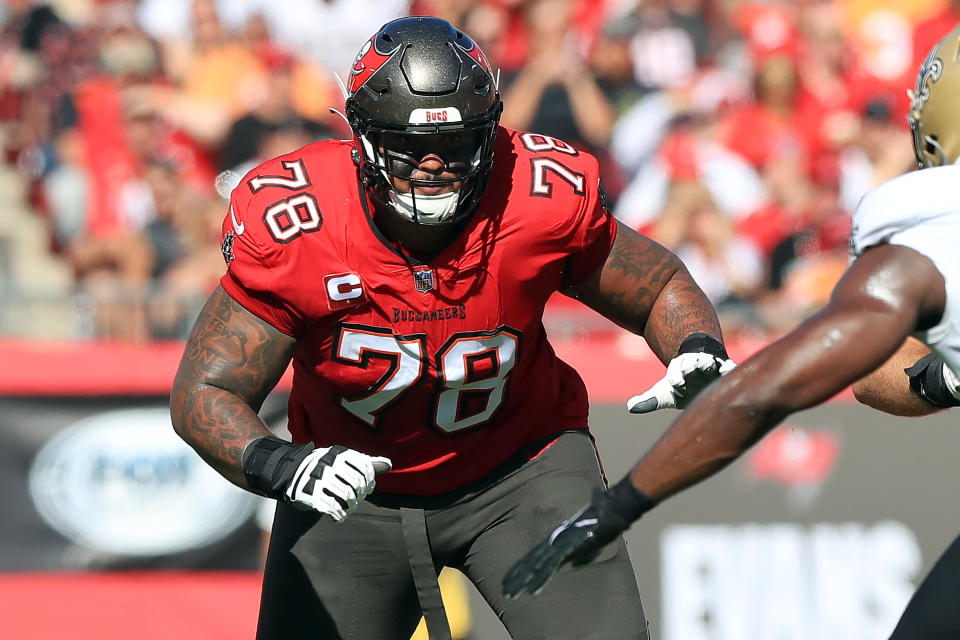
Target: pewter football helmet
418, 86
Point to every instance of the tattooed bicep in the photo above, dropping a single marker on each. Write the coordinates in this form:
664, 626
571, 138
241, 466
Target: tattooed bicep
233, 349
636, 261
645, 288
625, 287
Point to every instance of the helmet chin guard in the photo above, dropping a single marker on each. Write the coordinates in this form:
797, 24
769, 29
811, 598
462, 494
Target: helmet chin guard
421, 87
425, 209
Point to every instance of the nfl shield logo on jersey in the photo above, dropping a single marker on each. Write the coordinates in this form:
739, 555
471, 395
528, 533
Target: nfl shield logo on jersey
423, 280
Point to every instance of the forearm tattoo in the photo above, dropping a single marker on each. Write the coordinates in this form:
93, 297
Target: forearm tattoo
679, 310
231, 362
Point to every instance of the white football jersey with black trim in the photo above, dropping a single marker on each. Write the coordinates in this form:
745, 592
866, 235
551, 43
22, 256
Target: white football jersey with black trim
920, 210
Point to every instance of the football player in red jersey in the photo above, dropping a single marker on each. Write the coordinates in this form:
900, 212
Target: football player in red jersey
405, 273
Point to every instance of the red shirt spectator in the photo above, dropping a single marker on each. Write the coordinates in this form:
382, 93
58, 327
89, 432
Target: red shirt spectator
767, 129
928, 32
109, 161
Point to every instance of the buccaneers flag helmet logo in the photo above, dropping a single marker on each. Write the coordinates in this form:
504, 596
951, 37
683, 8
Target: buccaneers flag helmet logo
368, 60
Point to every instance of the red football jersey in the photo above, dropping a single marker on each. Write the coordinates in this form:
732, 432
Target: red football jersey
443, 367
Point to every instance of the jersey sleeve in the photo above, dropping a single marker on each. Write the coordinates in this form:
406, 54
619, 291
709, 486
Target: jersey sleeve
894, 208
592, 230
872, 224
258, 276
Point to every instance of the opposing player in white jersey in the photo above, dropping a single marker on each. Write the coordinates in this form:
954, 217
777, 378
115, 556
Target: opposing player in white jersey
920, 210
904, 280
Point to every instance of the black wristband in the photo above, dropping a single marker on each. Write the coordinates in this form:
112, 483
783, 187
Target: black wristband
270, 463
609, 514
703, 343
926, 380
625, 500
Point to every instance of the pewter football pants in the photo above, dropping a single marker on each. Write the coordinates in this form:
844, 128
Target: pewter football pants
353, 581
933, 612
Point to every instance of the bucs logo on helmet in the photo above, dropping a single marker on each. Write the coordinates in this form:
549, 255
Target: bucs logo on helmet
368, 61
472, 50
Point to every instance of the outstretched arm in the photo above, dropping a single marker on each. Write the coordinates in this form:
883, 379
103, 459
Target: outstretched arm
872, 310
888, 387
645, 288
887, 292
231, 362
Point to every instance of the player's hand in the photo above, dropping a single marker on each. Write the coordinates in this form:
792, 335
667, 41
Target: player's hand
335, 480
574, 541
687, 375
578, 539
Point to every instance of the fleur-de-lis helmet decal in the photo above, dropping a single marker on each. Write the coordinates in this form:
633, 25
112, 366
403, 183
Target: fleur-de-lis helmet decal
935, 104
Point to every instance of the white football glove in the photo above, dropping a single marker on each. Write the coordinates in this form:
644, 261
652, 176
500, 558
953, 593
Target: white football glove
687, 375
335, 480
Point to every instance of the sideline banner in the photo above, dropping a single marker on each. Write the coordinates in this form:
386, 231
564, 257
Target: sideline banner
105, 483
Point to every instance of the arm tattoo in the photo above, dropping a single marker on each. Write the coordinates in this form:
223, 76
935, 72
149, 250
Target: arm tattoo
632, 275
645, 288
231, 362
679, 310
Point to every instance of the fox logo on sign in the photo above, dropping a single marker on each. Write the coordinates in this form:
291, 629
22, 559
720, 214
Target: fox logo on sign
423, 280
343, 290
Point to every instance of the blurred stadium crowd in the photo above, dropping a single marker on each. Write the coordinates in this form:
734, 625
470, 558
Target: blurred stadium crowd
739, 133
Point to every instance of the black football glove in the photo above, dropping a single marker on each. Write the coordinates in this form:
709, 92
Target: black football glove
578, 539
932, 380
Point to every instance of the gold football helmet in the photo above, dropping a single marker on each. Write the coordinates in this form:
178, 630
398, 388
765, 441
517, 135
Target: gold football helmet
935, 104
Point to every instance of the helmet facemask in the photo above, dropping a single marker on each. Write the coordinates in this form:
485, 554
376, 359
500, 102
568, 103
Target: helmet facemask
392, 160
